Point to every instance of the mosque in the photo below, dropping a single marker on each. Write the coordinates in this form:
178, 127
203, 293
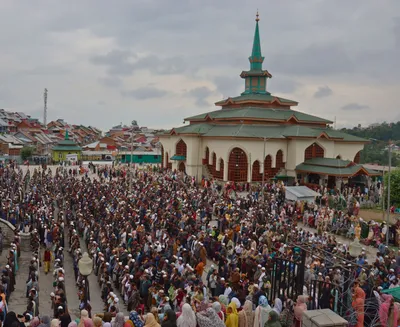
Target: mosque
257, 136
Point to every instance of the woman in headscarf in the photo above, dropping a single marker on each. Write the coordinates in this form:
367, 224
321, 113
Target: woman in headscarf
169, 319
35, 322
151, 321
262, 312
72, 324
277, 306
11, 317
246, 316
119, 320
45, 321
55, 323
135, 319
232, 317
97, 321
107, 324
209, 318
154, 311
301, 306
87, 322
358, 305
388, 313
237, 302
273, 320
216, 306
187, 317
223, 299
84, 315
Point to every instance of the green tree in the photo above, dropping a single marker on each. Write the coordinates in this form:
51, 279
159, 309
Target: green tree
26, 152
394, 187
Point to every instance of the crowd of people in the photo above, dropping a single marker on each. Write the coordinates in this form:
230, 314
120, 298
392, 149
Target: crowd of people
176, 253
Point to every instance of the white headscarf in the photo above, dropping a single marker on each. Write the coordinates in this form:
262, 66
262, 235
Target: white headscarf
187, 317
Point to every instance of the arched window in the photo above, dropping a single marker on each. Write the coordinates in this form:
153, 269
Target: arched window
237, 166
279, 164
314, 151
181, 149
357, 157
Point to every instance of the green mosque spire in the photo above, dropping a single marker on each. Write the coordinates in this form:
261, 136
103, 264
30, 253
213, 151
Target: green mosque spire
256, 58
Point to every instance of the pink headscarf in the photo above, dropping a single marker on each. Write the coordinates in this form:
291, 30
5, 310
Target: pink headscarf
300, 307
35, 322
384, 311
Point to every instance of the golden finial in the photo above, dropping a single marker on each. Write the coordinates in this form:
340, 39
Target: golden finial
257, 16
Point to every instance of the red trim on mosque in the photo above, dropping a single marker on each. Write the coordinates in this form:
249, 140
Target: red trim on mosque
314, 151
237, 166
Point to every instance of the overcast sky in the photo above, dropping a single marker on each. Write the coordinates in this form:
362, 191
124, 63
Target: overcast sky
158, 61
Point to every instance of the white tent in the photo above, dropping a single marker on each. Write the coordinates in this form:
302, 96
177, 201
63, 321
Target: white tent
300, 193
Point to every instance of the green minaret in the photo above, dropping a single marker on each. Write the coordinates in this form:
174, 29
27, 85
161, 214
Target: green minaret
256, 77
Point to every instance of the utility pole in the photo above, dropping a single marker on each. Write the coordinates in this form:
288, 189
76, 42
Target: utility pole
388, 197
263, 175
131, 162
45, 121
45, 108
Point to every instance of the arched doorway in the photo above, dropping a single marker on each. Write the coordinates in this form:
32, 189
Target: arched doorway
268, 170
213, 169
162, 156
182, 167
314, 151
237, 166
207, 158
357, 157
256, 176
220, 173
279, 163
169, 164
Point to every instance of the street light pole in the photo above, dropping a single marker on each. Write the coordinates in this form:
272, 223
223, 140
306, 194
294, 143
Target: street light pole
388, 198
263, 175
131, 161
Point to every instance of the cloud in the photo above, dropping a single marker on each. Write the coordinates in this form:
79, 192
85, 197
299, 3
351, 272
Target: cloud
282, 85
124, 63
87, 48
200, 94
354, 106
145, 93
110, 81
322, 92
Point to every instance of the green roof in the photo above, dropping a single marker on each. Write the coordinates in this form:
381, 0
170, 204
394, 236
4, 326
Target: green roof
329, 162
316, 166
261, 131
67, 148
179, 158
259, 113
268, 97
280, 131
